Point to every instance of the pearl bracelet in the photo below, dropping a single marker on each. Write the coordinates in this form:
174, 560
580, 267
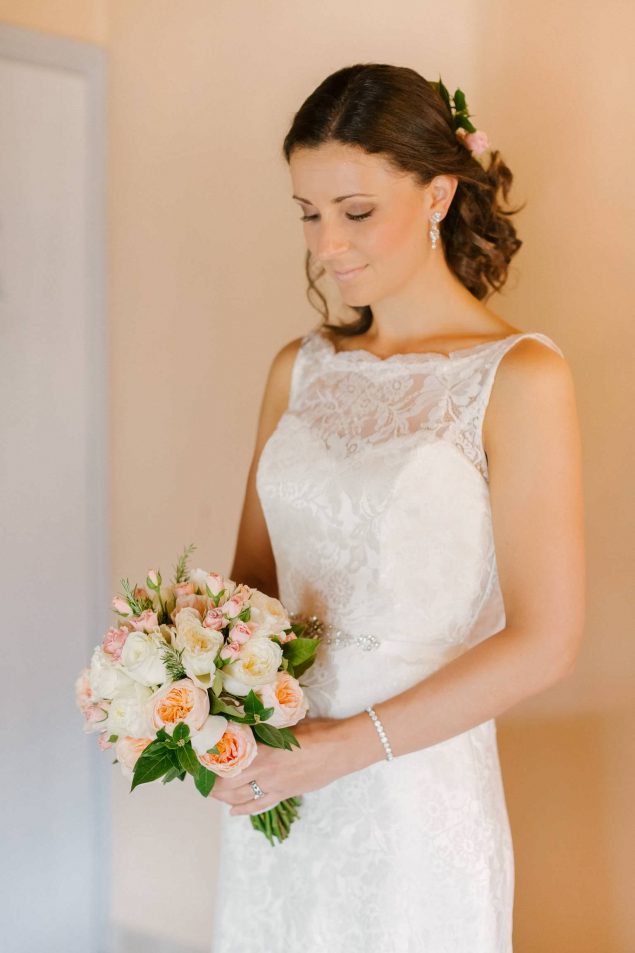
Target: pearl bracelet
380, 731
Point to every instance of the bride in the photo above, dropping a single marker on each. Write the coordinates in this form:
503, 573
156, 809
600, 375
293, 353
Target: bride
416, 485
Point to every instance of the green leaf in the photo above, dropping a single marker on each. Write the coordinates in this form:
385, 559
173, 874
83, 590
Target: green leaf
154, 762
204, 780
188, 760
300, 650
181, 732
271, 736
288, 735
253, 705
172, 774
459, 100
113, 739
217, 684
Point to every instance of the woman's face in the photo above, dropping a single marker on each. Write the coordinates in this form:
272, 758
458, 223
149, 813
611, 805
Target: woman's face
363, 217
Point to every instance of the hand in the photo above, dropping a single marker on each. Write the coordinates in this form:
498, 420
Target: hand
282, 773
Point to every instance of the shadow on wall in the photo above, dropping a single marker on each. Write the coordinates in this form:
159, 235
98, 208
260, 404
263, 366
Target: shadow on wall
565, 795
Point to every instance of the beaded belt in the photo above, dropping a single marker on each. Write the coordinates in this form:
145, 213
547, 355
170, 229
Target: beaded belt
332, 635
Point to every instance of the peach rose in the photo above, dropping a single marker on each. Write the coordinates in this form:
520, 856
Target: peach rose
287, 699
128, 751
179, 701
237, 749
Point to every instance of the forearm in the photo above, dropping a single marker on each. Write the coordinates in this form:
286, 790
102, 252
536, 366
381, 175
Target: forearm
479, 685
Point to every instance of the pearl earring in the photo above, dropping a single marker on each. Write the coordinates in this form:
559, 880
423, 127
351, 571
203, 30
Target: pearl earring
434, 233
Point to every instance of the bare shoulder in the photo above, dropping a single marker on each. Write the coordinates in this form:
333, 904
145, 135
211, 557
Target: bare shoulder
532, 379
280, 372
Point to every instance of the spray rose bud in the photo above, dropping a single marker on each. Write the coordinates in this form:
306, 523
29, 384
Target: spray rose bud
153, 579
121, 606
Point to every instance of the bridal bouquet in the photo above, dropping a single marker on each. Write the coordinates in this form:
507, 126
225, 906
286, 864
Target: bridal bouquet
191, 677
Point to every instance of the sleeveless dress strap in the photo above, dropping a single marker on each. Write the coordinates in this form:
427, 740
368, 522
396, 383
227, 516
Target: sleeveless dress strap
490, 361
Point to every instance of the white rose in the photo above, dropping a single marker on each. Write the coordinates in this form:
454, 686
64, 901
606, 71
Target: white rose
128, 713
212, 731
141, 658
268, 615
257, 664
199, 644
105, 676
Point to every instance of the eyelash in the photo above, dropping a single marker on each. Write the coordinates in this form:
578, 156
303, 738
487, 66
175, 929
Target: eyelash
353, 218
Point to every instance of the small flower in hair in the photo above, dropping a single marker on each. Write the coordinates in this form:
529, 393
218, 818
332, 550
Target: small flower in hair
472, 138
477, 141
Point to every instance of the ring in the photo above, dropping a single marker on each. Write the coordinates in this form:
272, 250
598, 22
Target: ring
258, 792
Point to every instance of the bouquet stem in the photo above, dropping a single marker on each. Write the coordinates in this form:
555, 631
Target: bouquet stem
276, 822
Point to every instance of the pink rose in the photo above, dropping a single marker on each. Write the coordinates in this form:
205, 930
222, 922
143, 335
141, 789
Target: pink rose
94, 716
230, 650
287, 699
237, 749
214, 619
232, 608
286, 636
240, 633
128, 751
179, 701
140, 593
114, 641
146, 621
103, 742
216, 582
477, 142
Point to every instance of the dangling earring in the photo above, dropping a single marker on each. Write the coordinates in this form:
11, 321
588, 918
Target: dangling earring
434, 233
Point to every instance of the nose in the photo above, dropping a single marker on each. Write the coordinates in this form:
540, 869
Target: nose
329, 242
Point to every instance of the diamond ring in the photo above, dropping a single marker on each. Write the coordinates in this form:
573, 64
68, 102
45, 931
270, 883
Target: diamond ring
258, 792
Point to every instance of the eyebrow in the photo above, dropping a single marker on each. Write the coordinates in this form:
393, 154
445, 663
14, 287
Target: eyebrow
340, 198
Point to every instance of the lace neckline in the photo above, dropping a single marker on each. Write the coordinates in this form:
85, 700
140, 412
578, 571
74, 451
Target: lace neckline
361, 354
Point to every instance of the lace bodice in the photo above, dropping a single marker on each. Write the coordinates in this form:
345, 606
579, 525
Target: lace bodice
374, 486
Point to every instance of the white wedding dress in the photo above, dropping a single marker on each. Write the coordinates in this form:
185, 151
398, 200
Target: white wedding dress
374, 488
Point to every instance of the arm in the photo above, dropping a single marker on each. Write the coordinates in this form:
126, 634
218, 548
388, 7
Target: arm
532, 440
254, 562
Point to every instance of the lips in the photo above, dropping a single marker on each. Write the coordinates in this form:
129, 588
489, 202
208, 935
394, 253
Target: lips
349, 272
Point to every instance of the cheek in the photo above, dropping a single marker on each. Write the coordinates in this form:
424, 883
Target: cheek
397, 241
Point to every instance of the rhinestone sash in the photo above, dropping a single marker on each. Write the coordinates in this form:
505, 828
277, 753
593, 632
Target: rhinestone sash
332, 635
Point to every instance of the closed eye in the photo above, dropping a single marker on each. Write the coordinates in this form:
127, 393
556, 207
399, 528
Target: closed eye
354, 218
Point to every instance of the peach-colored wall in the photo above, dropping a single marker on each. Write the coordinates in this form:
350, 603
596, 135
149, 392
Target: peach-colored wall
206, 283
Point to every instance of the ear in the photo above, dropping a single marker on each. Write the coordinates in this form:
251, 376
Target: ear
443, 188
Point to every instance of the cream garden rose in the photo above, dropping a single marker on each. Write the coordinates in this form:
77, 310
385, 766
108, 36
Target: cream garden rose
128, 711
200, 646
105, 676
257, 664
141, 656
287, 699
268, 615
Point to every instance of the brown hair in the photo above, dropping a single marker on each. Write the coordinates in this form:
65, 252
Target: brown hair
394, 111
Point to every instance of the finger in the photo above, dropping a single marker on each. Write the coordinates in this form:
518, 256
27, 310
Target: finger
257, 806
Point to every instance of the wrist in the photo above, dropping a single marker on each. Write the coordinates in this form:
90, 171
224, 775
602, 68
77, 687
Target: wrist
357, 742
